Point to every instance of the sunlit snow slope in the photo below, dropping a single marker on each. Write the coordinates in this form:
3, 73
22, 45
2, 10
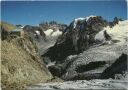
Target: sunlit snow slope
118, 33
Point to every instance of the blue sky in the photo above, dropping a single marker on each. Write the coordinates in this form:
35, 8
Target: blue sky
34, 12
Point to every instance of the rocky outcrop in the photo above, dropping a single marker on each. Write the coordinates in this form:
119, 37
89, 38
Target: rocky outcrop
94, 59
5, 29
118, 67
4, 33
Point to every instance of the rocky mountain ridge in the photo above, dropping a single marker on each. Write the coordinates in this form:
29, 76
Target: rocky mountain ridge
91, 44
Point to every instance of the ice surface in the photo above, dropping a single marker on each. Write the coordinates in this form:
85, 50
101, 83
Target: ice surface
48, 32
83, 84
56, 33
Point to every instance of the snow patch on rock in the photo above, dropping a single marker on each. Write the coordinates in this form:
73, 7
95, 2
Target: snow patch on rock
91, 16
76, 20
37, 32
51, 64
82, 19
100, 36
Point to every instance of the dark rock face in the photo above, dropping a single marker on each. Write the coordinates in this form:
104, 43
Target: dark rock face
56, 70
90, 66
84, 72
118, 67
107, 37
75, 40
84, 76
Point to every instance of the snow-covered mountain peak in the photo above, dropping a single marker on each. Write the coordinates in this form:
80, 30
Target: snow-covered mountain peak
82, 19
91, 16
76, 20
